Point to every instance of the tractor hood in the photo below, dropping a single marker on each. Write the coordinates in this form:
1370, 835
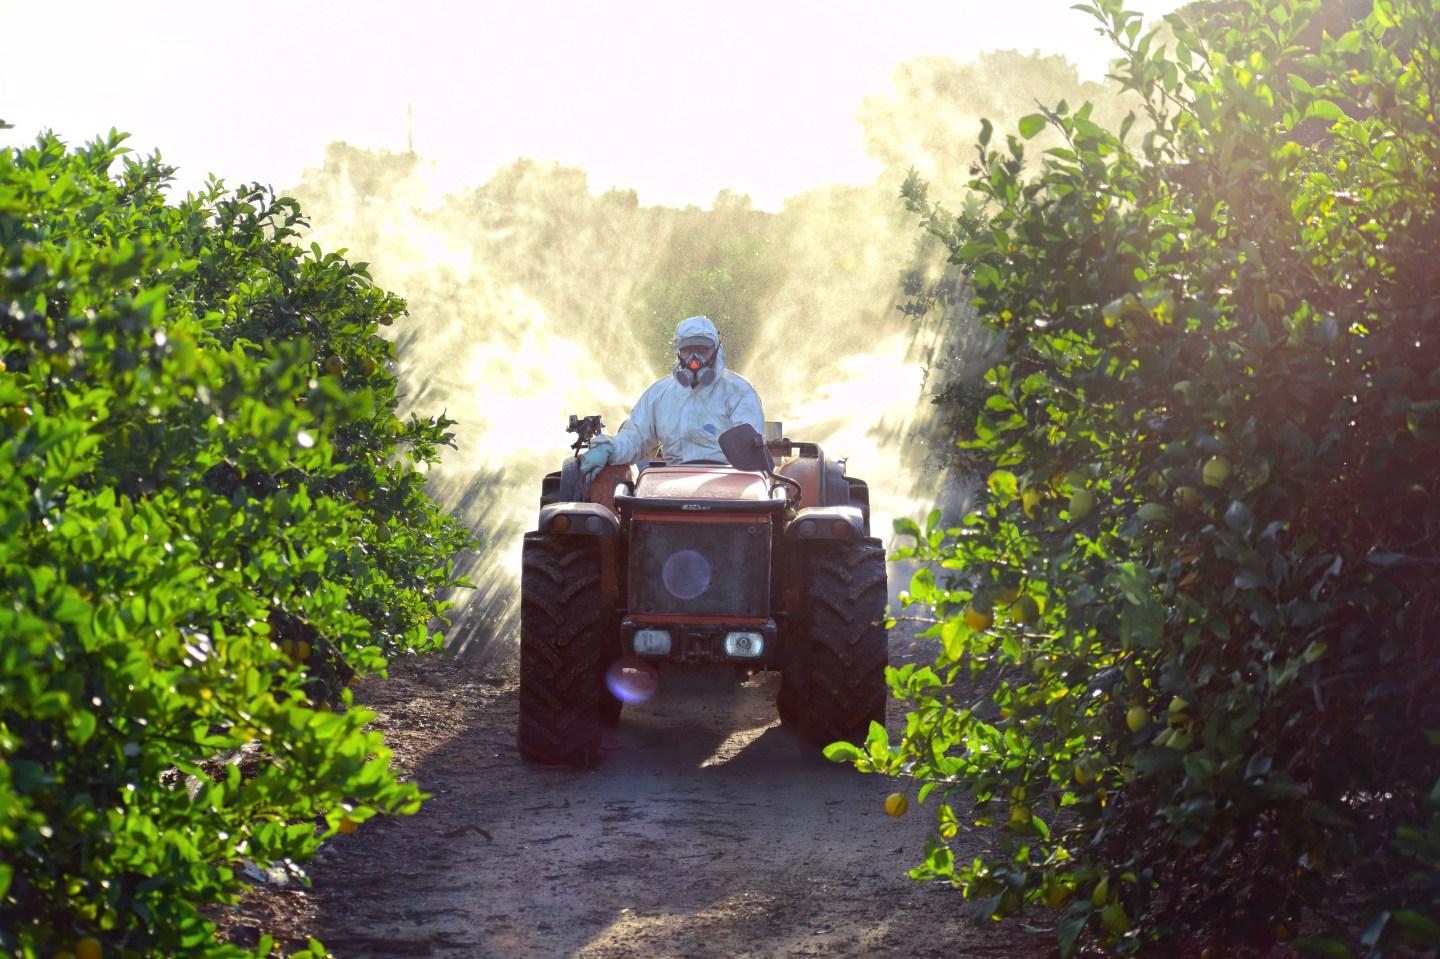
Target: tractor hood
702, 483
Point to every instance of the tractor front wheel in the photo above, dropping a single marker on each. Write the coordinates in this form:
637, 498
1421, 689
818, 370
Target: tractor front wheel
841, 686
565, 644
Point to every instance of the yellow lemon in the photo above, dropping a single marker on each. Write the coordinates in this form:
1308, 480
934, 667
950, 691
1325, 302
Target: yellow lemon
1137, 718
978, 621
1030, 499
896, 804
1026, 611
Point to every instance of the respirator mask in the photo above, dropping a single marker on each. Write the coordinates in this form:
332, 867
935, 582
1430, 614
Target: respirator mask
695, 362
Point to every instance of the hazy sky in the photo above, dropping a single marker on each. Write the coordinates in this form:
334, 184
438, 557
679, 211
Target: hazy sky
674, 99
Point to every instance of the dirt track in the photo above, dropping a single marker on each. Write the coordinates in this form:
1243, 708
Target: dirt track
706, 830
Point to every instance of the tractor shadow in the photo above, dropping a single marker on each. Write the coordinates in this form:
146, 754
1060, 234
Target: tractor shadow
711, 722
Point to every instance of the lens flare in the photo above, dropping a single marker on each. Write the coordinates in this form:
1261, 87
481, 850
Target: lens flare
632, 680
686, 574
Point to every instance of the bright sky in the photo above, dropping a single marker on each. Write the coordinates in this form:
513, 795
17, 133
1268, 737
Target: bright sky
674, 99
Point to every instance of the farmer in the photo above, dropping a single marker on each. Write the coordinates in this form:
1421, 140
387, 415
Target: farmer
683, 414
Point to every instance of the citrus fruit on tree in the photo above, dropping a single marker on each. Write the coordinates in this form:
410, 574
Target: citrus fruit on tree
347, 825
1216, 472
1030, 499
977, 620
1137, 718
896, 804
1026, 611
88, 948
1057, 894
1082, 501
18, 417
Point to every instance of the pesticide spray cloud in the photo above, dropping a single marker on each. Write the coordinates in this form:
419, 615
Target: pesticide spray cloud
532, 298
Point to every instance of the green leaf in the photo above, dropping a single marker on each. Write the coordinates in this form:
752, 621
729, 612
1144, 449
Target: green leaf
1324, 110
1071, 924
1418, 927
1324, 947
1160, 759
1032, 124
1003, 485
1239, 518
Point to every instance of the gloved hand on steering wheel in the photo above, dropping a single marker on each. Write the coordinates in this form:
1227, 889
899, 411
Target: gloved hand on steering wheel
593, 460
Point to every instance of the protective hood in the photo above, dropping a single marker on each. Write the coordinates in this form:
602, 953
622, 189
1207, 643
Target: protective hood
697, 331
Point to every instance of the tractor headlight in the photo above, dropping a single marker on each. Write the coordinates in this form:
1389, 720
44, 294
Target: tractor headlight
652, 642
747, 645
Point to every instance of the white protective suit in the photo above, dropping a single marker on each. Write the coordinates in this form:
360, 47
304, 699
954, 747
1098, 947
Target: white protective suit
686, 422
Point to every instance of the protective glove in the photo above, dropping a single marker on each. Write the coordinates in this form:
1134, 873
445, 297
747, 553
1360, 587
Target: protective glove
593, 460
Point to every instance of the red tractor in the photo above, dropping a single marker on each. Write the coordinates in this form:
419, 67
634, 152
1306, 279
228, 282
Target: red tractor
743, 565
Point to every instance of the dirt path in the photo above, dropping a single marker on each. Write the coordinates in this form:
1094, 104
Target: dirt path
706, 830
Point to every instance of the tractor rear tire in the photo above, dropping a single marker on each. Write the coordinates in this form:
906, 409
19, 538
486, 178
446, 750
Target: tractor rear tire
842, 689
565, 638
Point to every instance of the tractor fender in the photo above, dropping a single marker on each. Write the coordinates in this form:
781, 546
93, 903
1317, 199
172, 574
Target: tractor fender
578, 519
591, 520
826, 522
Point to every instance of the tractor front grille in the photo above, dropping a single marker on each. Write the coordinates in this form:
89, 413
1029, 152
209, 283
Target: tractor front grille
716, 568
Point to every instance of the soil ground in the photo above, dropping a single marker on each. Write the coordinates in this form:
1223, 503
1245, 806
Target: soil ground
705, 830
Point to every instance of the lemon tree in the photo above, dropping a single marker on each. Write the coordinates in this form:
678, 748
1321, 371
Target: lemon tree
1221, 323
212, 519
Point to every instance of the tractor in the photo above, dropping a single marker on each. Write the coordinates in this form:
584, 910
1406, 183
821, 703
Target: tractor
762, 563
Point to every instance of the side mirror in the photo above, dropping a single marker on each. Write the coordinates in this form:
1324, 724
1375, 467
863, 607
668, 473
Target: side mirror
745, 448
